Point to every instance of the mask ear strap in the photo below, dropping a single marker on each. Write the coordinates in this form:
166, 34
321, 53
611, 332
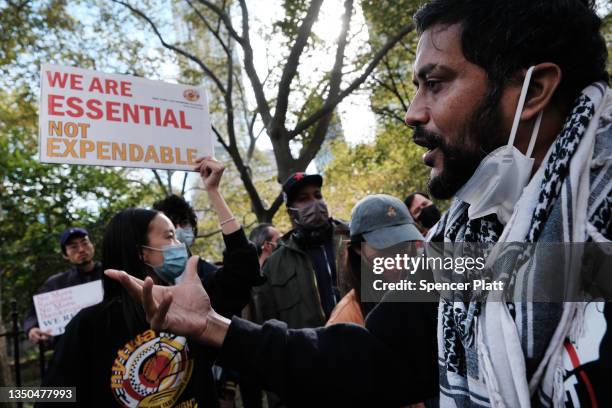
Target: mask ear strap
519, 108
534, 134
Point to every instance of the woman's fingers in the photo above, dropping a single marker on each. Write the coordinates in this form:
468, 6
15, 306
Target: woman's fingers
201, 161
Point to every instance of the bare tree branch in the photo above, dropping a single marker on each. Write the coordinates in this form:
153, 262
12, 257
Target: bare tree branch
160, 182
293, 61
393, 87
407, 48
249, 121
184, 184
249, 67
389, 113
214, 32
224, 17
314, 91
220, 138
308, 153
329, 107
229, 106
174, 48
219, 20
278, 201
169, 174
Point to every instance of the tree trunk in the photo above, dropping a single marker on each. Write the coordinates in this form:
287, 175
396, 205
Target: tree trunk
6, 377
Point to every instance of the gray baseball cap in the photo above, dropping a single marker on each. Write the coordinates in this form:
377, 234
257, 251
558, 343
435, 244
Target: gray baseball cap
383, 221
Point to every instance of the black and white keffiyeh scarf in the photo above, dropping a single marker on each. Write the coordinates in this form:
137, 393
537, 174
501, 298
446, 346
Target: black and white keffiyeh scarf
574, 179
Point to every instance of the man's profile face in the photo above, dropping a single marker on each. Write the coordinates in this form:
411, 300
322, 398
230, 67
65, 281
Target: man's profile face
79, 250
272, 242
448, 112
274, 235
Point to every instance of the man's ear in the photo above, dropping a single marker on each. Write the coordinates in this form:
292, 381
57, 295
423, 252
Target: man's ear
545, 80
65, 256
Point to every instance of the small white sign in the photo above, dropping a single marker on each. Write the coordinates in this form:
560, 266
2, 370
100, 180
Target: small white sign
55, 309
93, 118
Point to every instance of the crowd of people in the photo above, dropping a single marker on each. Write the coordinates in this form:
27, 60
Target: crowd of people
513, 106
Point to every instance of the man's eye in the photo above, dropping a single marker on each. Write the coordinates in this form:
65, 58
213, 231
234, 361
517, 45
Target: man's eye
432, 85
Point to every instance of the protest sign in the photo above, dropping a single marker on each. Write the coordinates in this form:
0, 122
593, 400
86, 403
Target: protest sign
88, 117
55, 309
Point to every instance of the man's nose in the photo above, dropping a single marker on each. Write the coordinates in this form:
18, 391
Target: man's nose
417, 113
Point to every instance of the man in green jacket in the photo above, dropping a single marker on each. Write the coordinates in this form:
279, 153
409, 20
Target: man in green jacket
302, 274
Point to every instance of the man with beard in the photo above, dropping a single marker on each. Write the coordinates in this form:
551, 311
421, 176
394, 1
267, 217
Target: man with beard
483, 72
513, 106
79, 251
302, 274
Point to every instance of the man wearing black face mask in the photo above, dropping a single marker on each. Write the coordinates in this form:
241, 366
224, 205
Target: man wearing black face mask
423, 210
302, 275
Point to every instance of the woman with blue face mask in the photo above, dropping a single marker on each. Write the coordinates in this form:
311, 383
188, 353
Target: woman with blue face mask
110, 353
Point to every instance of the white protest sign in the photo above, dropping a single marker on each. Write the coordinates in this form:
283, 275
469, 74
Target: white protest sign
55, 309
88, 117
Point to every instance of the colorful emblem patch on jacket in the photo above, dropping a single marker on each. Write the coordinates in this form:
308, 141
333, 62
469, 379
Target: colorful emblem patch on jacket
151, 370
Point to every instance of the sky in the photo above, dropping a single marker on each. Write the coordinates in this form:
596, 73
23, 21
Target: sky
358, 121
357, 118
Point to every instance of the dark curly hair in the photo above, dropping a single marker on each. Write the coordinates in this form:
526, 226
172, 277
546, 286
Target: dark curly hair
178, 210
505, 36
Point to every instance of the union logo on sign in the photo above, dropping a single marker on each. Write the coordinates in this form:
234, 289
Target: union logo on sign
191, 95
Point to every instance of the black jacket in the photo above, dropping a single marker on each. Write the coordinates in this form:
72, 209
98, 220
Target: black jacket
112, 366
292, 290
390, 363
229, 286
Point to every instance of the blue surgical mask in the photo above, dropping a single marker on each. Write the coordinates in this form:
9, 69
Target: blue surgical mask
175, 260
185, 235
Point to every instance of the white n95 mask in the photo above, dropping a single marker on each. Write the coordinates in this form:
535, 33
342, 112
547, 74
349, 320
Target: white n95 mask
498, 182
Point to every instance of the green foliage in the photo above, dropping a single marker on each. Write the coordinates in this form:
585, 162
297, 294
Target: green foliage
38, 201
390, 165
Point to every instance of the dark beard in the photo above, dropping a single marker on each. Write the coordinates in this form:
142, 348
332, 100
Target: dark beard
482, 134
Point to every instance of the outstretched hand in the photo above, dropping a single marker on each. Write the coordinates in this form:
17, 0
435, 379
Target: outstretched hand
183, 309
